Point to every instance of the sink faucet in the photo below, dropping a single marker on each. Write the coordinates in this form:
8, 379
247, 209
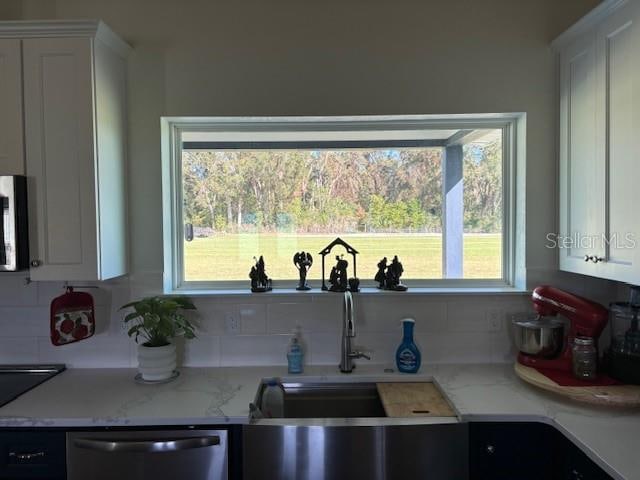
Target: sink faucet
349, 332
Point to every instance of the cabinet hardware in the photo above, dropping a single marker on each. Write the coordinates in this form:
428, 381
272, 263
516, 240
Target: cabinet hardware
36, 263
169, 445
596, 259
588, 257
490, 449
26, 456
576, 475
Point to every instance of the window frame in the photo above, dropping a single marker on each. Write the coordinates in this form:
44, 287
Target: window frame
511, 124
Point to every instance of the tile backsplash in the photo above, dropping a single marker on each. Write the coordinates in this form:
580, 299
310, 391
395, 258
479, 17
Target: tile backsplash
255, 329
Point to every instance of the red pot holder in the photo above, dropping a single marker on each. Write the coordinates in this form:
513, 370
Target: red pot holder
72, 317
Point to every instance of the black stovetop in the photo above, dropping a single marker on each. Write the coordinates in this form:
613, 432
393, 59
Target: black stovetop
18, 379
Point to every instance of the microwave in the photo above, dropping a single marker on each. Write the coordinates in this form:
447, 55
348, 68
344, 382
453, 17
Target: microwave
14, 228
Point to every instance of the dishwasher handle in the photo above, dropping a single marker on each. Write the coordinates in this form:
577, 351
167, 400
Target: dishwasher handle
147, 446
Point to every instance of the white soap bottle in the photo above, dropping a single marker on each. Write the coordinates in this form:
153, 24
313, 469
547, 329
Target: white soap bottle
272, 405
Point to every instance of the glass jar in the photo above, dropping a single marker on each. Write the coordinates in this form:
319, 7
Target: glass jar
585, 358
624, 352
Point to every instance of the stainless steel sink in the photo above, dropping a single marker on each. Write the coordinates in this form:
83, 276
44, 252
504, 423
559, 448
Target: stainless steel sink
331, 400
334, 431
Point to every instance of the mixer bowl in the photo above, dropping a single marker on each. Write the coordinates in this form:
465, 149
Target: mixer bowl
543, 338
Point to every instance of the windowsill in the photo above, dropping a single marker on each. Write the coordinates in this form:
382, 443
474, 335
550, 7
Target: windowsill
368, 291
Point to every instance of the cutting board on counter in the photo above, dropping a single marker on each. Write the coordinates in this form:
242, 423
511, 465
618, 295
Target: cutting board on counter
407, 400
612, 395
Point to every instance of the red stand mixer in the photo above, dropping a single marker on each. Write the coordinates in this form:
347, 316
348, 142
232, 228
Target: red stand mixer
586, 319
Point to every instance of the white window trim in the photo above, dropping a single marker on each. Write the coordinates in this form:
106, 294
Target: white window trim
236, 128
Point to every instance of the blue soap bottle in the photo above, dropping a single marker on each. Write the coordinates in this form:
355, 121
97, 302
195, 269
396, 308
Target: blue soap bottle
408, 356
295, 356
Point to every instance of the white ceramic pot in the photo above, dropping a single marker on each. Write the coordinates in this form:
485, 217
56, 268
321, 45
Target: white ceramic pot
156, 363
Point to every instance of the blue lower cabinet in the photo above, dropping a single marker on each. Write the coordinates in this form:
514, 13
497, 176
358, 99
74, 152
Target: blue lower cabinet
32, 454
496, 451
526, 451
577, 466
511, 451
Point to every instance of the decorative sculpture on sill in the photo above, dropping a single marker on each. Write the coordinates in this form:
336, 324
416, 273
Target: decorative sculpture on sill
259, 280
338, 278
303, 262
381, 275
388, 276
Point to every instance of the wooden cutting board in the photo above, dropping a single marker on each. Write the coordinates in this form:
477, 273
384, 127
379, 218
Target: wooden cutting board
407, 400
612, 395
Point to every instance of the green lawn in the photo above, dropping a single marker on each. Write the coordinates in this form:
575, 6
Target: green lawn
230, 257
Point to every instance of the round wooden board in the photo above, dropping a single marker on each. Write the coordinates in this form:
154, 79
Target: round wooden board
611, 395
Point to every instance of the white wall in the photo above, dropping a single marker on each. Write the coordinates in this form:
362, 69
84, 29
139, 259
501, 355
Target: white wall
448, 328
204, 57
292, 57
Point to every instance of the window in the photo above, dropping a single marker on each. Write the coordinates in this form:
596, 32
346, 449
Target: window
434, 191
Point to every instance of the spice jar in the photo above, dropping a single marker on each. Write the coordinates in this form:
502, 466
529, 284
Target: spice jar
585, 358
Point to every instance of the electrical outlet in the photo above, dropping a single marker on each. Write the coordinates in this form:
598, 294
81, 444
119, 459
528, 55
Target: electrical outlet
231, 323
495, 319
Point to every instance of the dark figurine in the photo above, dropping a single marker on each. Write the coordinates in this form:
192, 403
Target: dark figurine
381, 276
253, 275
338, 278
259, 280
388, 276
303, 262
394, 282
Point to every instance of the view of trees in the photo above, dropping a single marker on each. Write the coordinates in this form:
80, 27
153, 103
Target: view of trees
482, 179
335, 191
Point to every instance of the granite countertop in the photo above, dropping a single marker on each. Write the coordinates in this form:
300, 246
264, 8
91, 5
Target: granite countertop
109, 397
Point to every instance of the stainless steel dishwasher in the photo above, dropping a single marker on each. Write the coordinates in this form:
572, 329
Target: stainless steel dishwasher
148, 455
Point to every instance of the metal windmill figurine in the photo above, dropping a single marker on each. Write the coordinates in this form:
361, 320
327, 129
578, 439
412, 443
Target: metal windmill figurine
338, 277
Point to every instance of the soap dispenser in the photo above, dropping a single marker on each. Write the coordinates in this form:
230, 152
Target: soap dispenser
295, 353
408, 355
272, 405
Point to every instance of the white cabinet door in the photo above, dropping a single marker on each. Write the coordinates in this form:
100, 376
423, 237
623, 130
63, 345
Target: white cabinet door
11, 137
581, 171
618, 126
60, 153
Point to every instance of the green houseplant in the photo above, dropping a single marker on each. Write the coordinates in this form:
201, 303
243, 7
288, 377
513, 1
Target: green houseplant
153, 324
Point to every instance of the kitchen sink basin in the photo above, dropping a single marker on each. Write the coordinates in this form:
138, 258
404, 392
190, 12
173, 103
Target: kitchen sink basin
332, 400
340, 430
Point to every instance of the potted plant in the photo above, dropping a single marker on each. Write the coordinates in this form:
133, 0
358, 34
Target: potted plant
153, 324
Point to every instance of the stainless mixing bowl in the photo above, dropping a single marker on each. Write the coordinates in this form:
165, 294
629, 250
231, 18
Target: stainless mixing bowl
542, 337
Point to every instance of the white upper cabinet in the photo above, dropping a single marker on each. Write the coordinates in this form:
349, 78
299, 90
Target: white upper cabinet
618, 117
74, 98
582, 202
599, 143
11, 123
